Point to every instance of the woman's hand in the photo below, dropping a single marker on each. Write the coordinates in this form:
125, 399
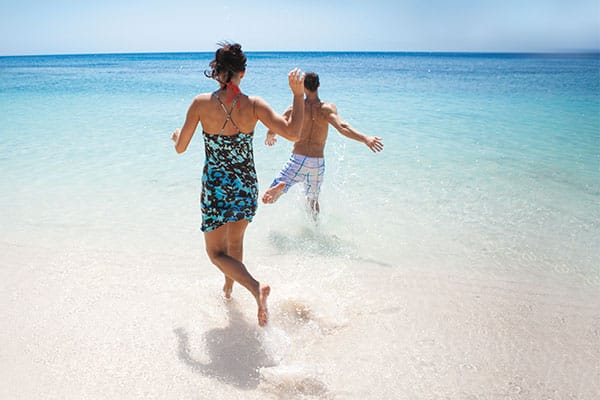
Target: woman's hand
296, 81
175, 135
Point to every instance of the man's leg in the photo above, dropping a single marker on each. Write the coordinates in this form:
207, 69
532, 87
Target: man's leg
313, 207
273, 193
289, 175
312, 186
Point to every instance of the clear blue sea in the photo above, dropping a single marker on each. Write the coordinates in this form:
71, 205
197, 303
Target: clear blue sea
491, 170
492, 155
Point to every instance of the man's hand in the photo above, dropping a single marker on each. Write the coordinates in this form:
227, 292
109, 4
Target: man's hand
271, 139
374, 143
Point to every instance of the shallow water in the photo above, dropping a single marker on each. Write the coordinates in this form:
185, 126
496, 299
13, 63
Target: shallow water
460, 262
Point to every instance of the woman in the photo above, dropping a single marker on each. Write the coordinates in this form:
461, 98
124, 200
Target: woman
229, 184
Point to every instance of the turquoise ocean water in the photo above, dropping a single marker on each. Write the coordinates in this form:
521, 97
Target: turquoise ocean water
490, 160
466, 253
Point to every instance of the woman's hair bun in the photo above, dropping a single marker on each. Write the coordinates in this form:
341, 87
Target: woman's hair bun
229, 58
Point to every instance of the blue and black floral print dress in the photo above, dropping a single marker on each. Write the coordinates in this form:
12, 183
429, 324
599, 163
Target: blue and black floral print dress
229, 183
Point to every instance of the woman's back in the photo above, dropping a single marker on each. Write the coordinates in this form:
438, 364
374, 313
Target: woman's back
219, 113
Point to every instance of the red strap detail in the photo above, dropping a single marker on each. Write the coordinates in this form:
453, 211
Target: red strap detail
234, 90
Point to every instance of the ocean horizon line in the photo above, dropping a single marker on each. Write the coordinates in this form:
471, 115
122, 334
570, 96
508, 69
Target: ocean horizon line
559, 53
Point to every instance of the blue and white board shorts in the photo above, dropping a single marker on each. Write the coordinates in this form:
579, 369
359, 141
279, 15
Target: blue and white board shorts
309, 170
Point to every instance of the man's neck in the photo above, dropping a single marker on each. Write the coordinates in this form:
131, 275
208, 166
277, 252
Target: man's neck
312, 97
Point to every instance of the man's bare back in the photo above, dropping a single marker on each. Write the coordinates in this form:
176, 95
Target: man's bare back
314, 129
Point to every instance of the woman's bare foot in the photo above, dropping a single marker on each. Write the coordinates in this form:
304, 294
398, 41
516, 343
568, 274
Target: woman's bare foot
273, 193
263, 313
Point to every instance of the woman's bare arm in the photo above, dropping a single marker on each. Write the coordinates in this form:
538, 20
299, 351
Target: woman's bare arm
183, 137
292, 126
271, 138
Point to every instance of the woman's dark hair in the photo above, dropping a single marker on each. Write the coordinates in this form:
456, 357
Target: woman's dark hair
311, 81
229, 58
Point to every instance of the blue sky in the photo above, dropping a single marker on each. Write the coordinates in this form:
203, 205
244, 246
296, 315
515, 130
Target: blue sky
60, 26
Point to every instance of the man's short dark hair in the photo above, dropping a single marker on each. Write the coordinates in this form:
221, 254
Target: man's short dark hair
311, 81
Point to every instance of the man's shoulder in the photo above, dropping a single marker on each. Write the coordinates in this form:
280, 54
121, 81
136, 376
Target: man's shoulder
328, 107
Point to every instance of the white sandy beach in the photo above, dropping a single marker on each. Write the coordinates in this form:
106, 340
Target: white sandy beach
81, 323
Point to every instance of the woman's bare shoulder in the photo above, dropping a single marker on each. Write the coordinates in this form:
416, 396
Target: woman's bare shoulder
201, 101
203, 98
259, 103
257, 99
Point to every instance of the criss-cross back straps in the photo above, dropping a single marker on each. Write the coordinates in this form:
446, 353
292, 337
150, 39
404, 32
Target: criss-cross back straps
228, 113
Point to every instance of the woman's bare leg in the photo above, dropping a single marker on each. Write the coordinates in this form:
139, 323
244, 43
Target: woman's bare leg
228, 287
220, 242
235, 249
224, 246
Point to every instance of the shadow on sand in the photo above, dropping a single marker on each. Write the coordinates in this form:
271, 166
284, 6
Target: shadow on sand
309, 241
313, 242
235, 353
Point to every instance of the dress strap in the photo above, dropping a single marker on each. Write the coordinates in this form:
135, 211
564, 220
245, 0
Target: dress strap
228, 112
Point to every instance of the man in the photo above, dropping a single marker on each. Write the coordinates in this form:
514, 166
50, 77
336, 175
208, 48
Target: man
306, 163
